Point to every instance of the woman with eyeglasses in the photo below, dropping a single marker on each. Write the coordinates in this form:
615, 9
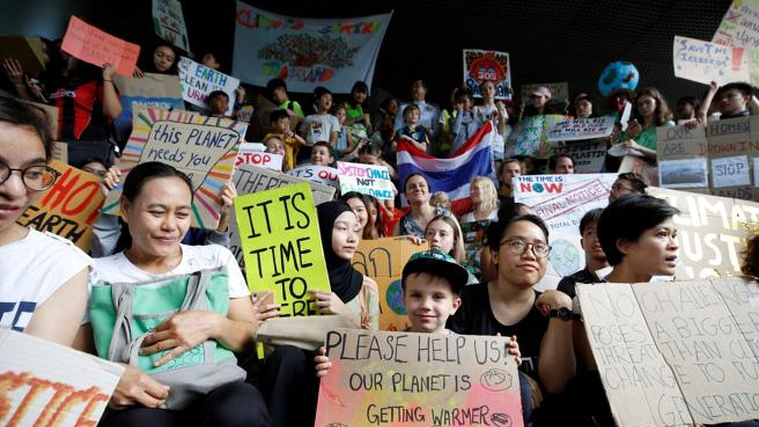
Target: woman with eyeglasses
43, 285
509, 306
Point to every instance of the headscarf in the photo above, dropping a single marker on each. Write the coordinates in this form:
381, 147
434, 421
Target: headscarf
344, 280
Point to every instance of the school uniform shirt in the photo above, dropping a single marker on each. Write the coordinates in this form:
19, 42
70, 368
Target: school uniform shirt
319, 127
33, 269
428, 118
465, 125
118, 268
475, 317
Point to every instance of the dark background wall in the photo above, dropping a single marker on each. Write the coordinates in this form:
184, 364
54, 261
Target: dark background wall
567, 40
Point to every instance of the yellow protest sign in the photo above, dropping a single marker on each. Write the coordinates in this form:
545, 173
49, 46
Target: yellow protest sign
69, 207
282, 248
383, 261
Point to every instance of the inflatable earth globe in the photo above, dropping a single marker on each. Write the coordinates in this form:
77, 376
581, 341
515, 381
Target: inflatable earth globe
618, 75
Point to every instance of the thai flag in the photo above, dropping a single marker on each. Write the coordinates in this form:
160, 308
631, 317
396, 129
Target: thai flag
452, 174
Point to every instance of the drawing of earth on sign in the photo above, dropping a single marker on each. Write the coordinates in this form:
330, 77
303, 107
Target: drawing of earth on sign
394, 298
565, 258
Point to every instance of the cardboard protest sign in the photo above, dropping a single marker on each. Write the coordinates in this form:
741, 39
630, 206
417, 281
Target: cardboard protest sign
711, 231
153, 90
365, 179
26, 50
205, 148
282, 247
588, 156
321, 174
72, 390
678, 353
487, 65
529, 137
198, 81
642, 167
253, 154
730, 143
567, 257
168, 21
383, 260
740, 28
704, 62
252, 179
69, 207
96, 47
411, 379
682, 157
559, 91
578, 129
562, 200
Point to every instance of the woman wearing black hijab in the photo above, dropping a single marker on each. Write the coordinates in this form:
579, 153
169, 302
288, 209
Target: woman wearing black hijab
352, 294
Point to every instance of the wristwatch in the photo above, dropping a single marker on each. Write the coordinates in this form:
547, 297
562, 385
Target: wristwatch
564, 314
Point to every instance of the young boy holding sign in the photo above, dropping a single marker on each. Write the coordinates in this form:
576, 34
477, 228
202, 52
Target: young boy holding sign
432, 282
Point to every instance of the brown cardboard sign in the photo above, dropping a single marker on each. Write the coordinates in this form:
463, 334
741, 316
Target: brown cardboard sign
413, 379
27, 50
676, 353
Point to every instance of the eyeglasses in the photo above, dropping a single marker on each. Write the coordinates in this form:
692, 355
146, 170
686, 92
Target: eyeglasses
519, 246
35, 178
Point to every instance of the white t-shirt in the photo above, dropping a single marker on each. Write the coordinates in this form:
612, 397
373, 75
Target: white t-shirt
117, 268
31, 270
319, 127
469, 217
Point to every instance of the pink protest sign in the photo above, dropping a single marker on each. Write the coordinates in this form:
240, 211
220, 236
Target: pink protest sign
97, 47
410, 379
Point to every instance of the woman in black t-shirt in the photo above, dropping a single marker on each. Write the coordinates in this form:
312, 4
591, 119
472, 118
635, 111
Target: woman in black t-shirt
508, 305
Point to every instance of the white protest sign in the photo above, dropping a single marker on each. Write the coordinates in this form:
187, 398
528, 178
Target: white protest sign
677, 353
704, 62
366, 179
576, 129
562, 200
567, 257
730, 171
321, 174
168, 21
43, 383
198, 81
588, 156
252, 153
740, 27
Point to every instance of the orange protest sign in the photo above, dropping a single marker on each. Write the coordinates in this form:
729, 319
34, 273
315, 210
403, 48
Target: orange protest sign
383, 261
68, 208
97, 47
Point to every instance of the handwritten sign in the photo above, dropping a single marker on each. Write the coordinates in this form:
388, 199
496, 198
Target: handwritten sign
198, 81
731, 138
588, 156
487, 65
740, 28
253, 154
704, 62
252, 179
730, 171
321, 174
168, 21
410, 379
383, 260
529, 137
26, 50
577, 129
91, 45
69, 208
711, 231
153, 90
562, 200
205, 148
282, 247
680, 353
366, 179
36, 392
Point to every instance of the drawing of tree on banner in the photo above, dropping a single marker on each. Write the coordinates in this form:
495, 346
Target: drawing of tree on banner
303, 50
